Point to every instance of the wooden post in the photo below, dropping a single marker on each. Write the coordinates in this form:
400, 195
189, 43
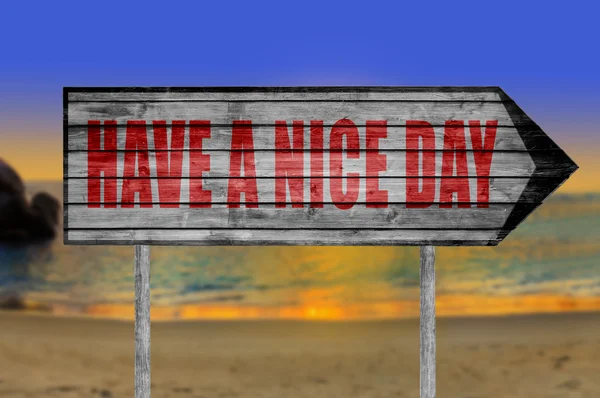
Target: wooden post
427, 379
142, 321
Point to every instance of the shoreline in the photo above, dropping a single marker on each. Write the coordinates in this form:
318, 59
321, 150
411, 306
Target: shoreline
447, 306
84, 316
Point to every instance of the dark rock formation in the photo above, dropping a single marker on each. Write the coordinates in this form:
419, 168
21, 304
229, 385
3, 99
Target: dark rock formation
20, 221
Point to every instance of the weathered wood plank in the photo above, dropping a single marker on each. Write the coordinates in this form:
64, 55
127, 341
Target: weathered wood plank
501, 190
142, 322
427, 323
353, 95
268, 216
436, 113
507, 138
305, 237
503, 164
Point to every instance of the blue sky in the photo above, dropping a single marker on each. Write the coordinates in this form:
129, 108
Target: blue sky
539, 45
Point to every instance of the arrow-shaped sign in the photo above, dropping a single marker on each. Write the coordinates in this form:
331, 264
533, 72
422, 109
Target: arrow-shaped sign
302, 165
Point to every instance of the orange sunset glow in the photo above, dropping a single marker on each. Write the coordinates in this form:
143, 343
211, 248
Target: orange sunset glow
446, 306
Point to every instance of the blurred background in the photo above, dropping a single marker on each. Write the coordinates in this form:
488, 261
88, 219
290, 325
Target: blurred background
520, 319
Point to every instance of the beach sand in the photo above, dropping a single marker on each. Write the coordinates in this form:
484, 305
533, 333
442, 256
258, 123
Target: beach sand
525, 356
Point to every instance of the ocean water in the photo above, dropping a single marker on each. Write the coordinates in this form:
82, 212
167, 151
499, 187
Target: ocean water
549, 263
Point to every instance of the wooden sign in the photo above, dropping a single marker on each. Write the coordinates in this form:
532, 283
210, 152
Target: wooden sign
302, 166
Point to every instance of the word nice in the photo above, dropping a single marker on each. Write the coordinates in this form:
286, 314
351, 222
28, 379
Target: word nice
343, 163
